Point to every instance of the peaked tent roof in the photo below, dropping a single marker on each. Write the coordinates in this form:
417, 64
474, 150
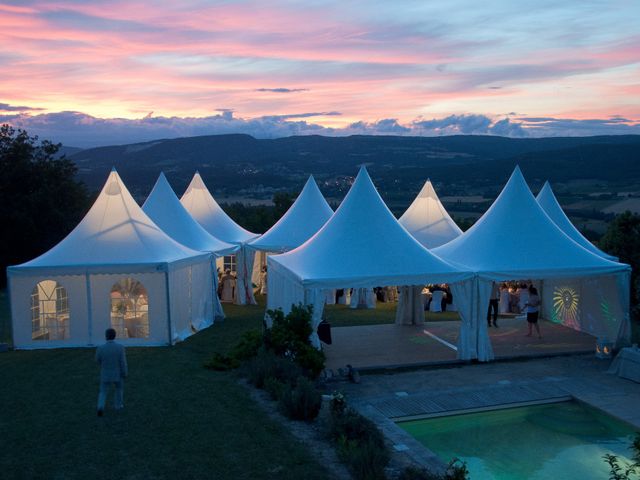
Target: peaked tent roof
363, 244
115, 232
428, 221
164, 208
202, 206
516, 239
304, 218
549, 203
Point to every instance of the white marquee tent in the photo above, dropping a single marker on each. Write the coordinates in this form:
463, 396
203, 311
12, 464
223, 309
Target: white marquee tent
428, 221
547, 200
515, 239
202, 206
116, 269
164, 208
361, 246
302, 220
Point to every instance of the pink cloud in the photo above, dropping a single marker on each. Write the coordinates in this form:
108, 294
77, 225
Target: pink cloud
122, 57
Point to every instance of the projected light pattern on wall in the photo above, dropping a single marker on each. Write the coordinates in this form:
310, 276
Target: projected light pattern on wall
565, 305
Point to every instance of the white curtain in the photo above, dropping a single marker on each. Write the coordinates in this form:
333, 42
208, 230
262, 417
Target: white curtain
623, 282
472, 299
244, 266
483, 342
363, 298
465, 295
218, 312
316, 298
410, 310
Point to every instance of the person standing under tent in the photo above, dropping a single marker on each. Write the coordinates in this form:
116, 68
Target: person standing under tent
533, 310
227, 286
113, 370
493, 305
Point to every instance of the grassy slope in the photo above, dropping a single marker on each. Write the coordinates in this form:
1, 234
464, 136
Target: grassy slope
180, 420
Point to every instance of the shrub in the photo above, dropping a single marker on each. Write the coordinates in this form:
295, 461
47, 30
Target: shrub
360, 443
456, 470
289, 337
621, 470
221, 362
267, 365
338, 404
275, 387
310, 359
302, 402
288, 331
248, 346
353, 426
364, 459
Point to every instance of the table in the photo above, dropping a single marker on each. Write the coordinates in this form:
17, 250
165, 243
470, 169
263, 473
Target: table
627, 364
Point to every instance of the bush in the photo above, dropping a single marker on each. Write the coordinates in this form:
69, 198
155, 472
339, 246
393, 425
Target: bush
221, 362
360, 443
310, 359
289, 337
456, 470
248, 346
302, 402
268, 365
353, 426
364, 459
288, 332
275, 388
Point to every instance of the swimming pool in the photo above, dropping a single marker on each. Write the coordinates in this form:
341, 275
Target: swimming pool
559, 440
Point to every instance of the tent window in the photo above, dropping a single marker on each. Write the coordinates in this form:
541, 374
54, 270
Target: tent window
229, 263
130, 309
49, 311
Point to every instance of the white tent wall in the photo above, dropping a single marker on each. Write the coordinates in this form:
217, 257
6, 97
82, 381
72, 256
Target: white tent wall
192, 299
156, 286
20, 290
410, 309
244, 288
594, 305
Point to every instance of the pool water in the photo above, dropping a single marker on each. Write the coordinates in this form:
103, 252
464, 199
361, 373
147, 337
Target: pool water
560, 440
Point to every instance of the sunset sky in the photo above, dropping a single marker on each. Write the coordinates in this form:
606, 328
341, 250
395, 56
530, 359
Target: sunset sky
100, 72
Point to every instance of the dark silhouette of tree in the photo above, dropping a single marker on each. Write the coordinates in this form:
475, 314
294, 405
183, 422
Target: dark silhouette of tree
40, 199
622, 239
260, 218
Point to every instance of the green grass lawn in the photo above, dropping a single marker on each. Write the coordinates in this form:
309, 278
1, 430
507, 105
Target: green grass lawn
180, 420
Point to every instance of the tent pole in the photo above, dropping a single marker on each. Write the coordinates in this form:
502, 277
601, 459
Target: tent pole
166, 288
89, 307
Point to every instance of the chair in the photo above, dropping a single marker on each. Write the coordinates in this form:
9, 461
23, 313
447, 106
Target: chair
436, 301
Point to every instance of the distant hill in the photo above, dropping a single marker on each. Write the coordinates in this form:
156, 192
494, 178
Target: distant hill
241, 164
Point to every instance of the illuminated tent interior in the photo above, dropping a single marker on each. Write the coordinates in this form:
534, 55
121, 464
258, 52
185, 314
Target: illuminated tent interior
302, 220
549, 203
116, 269
516, 240
201, 205
164, 208
361, 246
428, 221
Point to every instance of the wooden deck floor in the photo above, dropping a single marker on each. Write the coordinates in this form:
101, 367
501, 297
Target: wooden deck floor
389, 346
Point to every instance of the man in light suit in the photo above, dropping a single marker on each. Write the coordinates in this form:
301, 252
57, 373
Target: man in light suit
113, 370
